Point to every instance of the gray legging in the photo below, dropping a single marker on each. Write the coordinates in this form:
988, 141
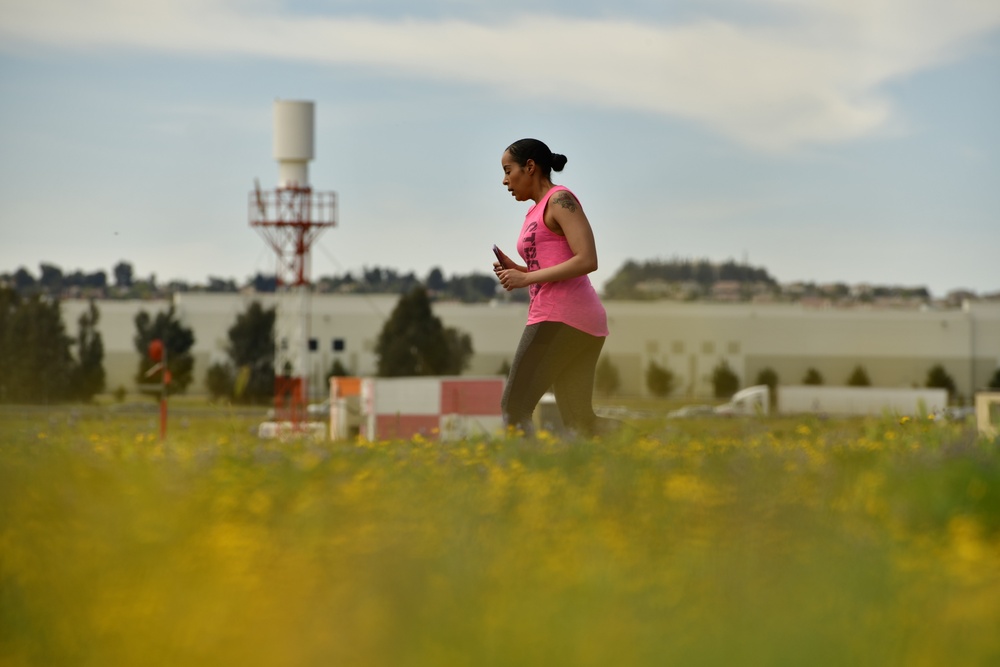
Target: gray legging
553, 354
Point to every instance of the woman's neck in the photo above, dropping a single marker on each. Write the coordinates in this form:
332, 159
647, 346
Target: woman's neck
543, 189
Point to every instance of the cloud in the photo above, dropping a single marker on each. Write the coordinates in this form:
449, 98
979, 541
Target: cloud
804, 72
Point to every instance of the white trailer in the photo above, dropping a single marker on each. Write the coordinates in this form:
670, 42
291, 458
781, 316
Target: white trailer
797, 399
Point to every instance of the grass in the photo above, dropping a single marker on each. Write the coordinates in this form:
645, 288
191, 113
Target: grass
749, 542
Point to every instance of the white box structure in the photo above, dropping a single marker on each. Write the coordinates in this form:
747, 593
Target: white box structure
986, 400
438, 407
860, 400
287, 430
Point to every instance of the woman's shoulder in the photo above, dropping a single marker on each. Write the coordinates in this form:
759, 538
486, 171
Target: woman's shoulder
562, 196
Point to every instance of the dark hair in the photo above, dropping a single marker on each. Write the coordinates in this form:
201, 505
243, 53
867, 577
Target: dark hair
523, 150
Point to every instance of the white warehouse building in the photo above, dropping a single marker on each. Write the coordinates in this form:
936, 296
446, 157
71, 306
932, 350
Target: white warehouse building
897, 347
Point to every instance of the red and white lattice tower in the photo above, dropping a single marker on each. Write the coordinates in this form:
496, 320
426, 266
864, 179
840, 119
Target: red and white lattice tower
290, 218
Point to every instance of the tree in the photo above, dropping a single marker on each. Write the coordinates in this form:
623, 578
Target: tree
704, 272
88, 376
474, 288
177, 341
812, 377
995, 380
859, 377
52, 278
659, 380
219, 381
337, 369
414, 342
264, 284
459, 351
123, 275
436, 281
23, 280
97, 280
216, 284
372, 276
606, 377
937, 377
34, 350
251, 351
769, 377
10, 301
725, 382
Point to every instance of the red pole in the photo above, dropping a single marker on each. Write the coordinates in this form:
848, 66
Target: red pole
163, 415
158, 353
163, 399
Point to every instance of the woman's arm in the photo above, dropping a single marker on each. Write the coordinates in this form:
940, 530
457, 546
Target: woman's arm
565, 217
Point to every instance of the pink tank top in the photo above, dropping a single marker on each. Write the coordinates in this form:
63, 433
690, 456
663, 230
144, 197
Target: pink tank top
574, 301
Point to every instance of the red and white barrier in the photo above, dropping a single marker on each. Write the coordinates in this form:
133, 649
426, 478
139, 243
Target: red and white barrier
444, 408
345, 407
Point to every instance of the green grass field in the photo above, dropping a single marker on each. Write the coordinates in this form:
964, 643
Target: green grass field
712, 542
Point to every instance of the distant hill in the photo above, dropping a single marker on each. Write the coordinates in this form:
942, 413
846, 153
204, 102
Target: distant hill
676, 279
687, 279
125, 284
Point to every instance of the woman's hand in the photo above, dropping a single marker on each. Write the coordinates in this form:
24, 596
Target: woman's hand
503, 261
512, 279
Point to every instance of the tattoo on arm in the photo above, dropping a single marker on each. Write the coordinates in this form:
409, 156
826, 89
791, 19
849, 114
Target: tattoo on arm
567, 201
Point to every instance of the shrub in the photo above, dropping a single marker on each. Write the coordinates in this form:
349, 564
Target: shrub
219, 381
337, 369
812, 377
859, 377
769, 377
938, 378
659, 380
724, 381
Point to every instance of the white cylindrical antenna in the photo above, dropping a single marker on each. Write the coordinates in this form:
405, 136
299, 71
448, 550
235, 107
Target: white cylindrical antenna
294, 127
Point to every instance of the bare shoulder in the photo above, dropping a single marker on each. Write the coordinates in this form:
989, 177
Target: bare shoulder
564, 210
564, 199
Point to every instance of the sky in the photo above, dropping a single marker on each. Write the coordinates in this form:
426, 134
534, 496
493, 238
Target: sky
847, 141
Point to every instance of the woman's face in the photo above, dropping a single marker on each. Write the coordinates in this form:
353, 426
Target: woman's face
515, 177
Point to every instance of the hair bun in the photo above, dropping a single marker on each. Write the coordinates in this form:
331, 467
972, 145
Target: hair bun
558, 161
